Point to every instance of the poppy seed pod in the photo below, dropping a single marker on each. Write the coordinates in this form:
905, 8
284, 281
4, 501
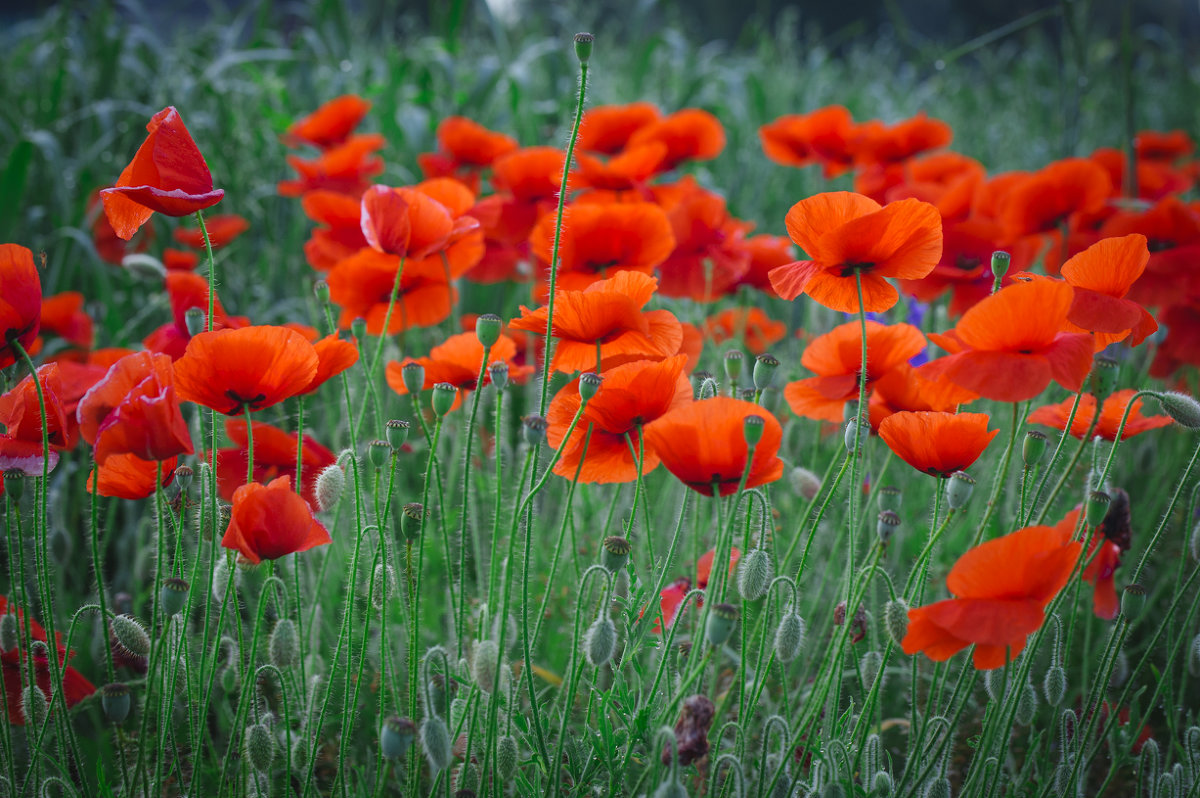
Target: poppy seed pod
856, 432
484, 664
173, 595
583, 46
721, 622
410, 520
1033, 447
194, 320
412, 374
284, 644
754, 575
115, 701
789, 637
259, 747
358, 328
752, 429
435, 740
498, 372
589, 383
1000, 263
330, 483
506, 756
1132, 599
733, 364
487, 329
614, 553
765, 367
396, 736
9, 633
958, 489
600, 641
1103, 378
533, 427
396, 431
895, 620
1054, 685
183, 478
888, 525
883, 784
888, 498
129, 633
1181, 407
321, 291
33, 706
14, 484
444, 394
1097, 507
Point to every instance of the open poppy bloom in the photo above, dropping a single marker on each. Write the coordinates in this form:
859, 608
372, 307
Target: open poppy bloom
822, 136
605, 322
937, 443
1102, 275
623, 172
329, 125
750, 325
362, 286
63, 315
709, 259
186, 290
21, 414
529, 180
704, 445
345, 169
20, 301
75, 686
1106, 544
274, 457
692, 134
134, 410
1042, 201
251, 368
606, 129
222, 228
630, 396
1001, 590
456, 361
168, 174
127, 476
766, 254
271, 521
334, 356
339, 234
465, 148
1111, 413
848, 234
1172, 231
601, 240
1009, 346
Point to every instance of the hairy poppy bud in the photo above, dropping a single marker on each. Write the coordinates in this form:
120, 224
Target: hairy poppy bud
284, 644
484, 664
671, 788
444, 394
487, 329
534, 429
583, 46
396, 431
194, 320
1120, 671
1097, 508
589, 383
173, 595
614, 553
115, 701
995, 684
733, 364
506, 756
412, 374
721, 622
330, 484
183, 478
396, 736
220, 580
1054, 685
14, 484
888, 525
958, 489
435, 740
895, 620
883, 784
498, 372
259, 747
600, 641
789, 637
869, 666
938, 788
1033, 447
410, 520
1000, 263
857, 432
358, 328
321, 291
1193, 663
754, 575
467, 781
1027, 704
9, 632
888, 498
33, 706
378, 452
765, 367
806, 484
1194, 542
1103, 378
752, 429
700, 378
129, 633
1181, 407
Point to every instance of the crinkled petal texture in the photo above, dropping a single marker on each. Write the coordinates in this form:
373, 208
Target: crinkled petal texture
168, 174
937, 443
21, 413
20, 301
127, 476
604, 239
255, 367
134, 410
271, 521
704, 445
1109, 421
334, 356
997, 628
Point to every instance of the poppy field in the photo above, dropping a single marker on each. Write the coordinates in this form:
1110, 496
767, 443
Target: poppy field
471, 415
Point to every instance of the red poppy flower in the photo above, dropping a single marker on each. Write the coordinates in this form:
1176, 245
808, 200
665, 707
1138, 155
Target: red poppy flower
1042, 201
1152, 145
766, 254
409, 223
606, 129
21, 414
329, 125
669, 602
878, 143
1001, 590
703, 444
75, 687
340, 232
1104, 556
1111, 412
1182, 344
605, 321
704, 565
63, 315
274, 457
127, 476
253, 367
1172, 231
946, 180
709, 259
457, 361
600, 240
222, 229
362, 286
904, 388
464, 149
692, 346
1101, 276
110, 248
134, 410
465, 246
1009, 346
24, 456
20, 301
186, 290
179, 260
689, 135
630, 396
750, 325
937, 443
965, 266
822, 136
168, 174
622, 172
334, 356
847, 234
345, 169
271, 521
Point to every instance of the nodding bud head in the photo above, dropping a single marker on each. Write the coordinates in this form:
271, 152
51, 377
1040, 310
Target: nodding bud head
194, 320
435, 740
173, 595
183, 478
1000, 263
533, 427
600, 641
115, 701
330, 483
614, 553
868, 666
888, 525
33, 705
752, 430
284, 644
410, 520
671, 788
498, 373
1132, 599
9, 632
14, 484
321, 291
1181, 407
487, 329
129, 633
259, 747
583, 46
895, 620
721, 622
1103, 379
765, 367
506, 756
485, 662
589, 383
412, 374
396, 736
358, 328
1054, 686
444, 394
1033, 447
1097, 508
806, 484
754, 575
883, 784
396, 431
958, 489
734, 360
378, 452
789, 637
1027, 703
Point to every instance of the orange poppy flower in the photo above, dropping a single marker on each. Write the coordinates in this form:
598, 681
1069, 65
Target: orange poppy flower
456, 361
1182, 345
339, 234
946, 180
965, 267
1172, 231
168, 174
127, 476
20, 301
630, 396
362, 286
847, 234
704, 565
334, 356
252, 367
179, 260
703, 444
271, 521
709, 259
766, 254
134, 410
110, 248
692, 134
274, 457
405, 222
605, 321
75, 687
606, 129
750, 325
345, 169
1170, 146
528, 179
1101, 276
622, 172
63, 314
1009, 346
1111, 412
464, 149
822, 136
1156, 179
465, 246
21, 414
186, 290
878, 143
691, 346
329, 125
1001, 590
904, 388
670, 599
600, 240
1044, 200
937, 443
222, 229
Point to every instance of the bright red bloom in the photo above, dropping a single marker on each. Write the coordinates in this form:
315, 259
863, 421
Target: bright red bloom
187, 290
606, 129
1044, 200
334, 356
409, 222
822, 136
600, 240
749, 325
109, 246
709, 259
253, 367
271, 521
20, 301
134, 410
878, 143
457, 361
965, 266
222, 229
126, 476
21, 414
903, 388
1104, 553
329, 125
168, 174
74, 686
1109, 420
274, 457
63, 314
767, 253
179, 260
937, 443
847, 234
465, 148
669, 602
1002, 588
340, 234
345, 169
703, 444
1101, 276
1182, 344
531, 176
362, 286
689, 135
946, 180
1156, 179
1172, 231
622, 172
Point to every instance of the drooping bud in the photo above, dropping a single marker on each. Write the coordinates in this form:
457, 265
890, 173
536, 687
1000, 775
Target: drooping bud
173, 595
765, 367
883, 784
487, 329
600, 641
888, 498
583, 46
789, 637
116, 702
888, 525
410, 520
259, 747
1027, 704
533, 427
1181, 407
752, 430
396, 736
412, 374
484, 664
1033, 447
589, 383
194, 320
1103, 379
129, 633
435, 740
506, 756
498, 372
721, 622
700, 378
938, 788
1054, 685
754, 575
444, 394
733, 364
995, 684
284, 644
33, 706
806, 484
958, 489
330, 484
895, 620
614, 553
9, 632
396, 431
857, 432
321, 291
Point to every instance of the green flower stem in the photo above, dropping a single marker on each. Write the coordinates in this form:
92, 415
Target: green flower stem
1062, 439
460, 624
861, 414
816, 521
1002, 478
643, 623
212, 272
415, 615
98, 568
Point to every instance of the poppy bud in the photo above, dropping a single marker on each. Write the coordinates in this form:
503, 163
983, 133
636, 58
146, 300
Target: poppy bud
1054, 686
467, 781
485, 663
938, 788
754, 575
330, 483
600, 641
533, 427
435, 740
498, 372
129, 633
1026, 705
14, 484
889, 524
856, 432
583, 46
958, 489
789, 637
1103, 379
259, 747
895, 620
1132, 599
220, 579
284, 644
733, 364
506, 756
410, 520
888, 498
883, 784
1033, 447
487, 329
173, 595
869, 666
412, 374
378, 452
752, 430
444, 394
1097, 508
699, 377
183, 478
358, 328
765, 367
194, 320
115, 701
589, 383
1181, 407
396, 432
33, 705
9, 633
1001, 260
806, 484
396, 736
720, 624
994, 684
614, 553
321, 291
